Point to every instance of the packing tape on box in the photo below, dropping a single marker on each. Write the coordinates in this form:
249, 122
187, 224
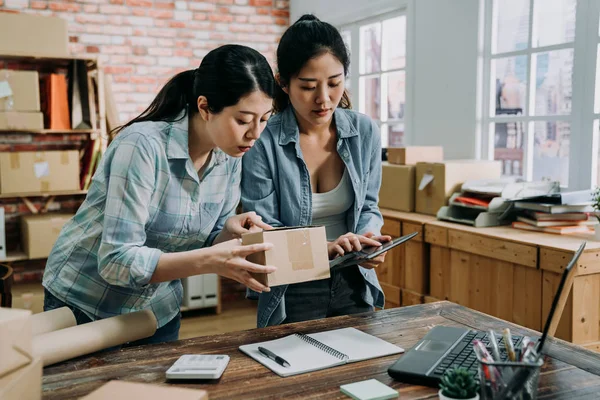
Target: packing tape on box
64, 158
299, 249
79, 340
53, 320
15, 162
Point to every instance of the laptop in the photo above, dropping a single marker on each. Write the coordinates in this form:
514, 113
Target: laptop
444, 346
367, 253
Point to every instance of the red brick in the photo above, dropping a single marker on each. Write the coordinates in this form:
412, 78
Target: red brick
220, 18
261, 3
68, 7
120, 2
176, 24
139, 3
262, 11
200, 17
140, 51
165, 4
37, 5
111, 69
5, 147
282, 21
280, 13
73, 39
90, 8
183, 53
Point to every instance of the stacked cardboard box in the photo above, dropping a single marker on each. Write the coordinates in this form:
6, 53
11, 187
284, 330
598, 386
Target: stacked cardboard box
20, 371
398, 175
20, 101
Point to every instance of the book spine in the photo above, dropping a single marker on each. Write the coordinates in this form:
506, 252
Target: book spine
322, 346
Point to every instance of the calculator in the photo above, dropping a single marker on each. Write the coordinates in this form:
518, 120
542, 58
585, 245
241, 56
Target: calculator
198, 366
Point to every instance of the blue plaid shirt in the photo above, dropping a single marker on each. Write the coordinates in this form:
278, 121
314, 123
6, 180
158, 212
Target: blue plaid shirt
145, 198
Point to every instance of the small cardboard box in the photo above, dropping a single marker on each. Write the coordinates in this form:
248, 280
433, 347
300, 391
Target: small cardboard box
39, 171
25, 88
24, 383
397, 190
21, 120
411, 155
123, 390
436, 182
299, 253
39, 232
15, 340
33, 35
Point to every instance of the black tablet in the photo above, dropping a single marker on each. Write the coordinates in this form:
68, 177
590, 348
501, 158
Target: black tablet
367, 253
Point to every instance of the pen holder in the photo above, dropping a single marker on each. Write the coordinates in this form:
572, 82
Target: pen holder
509, 380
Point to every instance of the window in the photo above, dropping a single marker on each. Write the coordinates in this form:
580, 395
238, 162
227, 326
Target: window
377, 79
528, 115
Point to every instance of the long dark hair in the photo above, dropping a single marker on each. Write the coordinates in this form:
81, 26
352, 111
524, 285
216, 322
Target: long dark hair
307, 38
225, 75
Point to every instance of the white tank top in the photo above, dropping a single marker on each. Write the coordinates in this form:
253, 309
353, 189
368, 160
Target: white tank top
330, 208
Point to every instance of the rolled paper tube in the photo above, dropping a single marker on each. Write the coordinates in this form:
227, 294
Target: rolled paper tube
94, 336
53, 320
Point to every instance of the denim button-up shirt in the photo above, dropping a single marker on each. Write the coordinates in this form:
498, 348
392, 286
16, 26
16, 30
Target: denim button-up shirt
145, 199
276, 184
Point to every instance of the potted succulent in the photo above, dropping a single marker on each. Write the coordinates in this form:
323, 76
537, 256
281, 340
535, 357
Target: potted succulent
596, 205
458, 383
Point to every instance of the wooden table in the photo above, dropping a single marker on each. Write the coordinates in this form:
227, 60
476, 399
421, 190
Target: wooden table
508, 273
569, 371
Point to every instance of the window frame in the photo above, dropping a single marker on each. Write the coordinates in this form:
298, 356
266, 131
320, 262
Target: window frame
404, 8
582, 116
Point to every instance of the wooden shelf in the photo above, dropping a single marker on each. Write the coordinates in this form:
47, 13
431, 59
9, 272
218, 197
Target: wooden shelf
48, 61
15, 256
52, 131
48, 194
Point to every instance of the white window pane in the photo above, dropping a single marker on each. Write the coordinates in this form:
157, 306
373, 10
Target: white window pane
396, 94
511, 19
553, 82
370, 48
370, 95
383, 129
508, 146
551, 151
396, 134
554, 22
597, 150
394, 43
510, 86
347, 38
597, 94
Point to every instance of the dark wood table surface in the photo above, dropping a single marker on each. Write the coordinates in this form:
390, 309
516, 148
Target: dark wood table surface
569, 371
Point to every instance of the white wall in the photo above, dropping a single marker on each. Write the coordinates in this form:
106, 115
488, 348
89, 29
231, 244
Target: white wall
444, 64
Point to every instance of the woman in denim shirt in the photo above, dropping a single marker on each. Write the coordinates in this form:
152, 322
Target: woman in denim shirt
317, 163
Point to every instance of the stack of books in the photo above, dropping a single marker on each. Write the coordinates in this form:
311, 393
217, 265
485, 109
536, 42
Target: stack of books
561, 213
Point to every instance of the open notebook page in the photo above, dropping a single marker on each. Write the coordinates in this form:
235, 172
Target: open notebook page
302, 356
356, 344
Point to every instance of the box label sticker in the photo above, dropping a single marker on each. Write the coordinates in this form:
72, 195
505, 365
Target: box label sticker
300, 249
425, 180
5, 89
41, 169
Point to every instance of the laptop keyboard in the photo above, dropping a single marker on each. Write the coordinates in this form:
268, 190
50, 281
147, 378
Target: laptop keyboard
463, 355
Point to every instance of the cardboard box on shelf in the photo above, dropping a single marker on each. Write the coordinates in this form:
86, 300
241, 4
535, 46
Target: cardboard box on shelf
15, 340
411, 155
21, 120
48, 39
24, 383
39, 171
19, 90
123, 390
299, 253
40, 231
397, 190
436, 182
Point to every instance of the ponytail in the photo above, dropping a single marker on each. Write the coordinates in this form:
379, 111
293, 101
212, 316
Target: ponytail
169, 102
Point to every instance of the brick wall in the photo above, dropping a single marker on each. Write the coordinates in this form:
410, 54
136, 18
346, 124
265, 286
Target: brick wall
141, 44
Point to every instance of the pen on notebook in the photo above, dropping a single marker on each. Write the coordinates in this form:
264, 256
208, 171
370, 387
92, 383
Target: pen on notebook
510, 349
269, 354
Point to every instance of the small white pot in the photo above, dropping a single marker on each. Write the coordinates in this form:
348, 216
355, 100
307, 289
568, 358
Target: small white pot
597, 232
442, 397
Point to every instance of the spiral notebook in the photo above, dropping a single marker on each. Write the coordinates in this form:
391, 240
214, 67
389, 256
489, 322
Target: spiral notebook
316, 351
